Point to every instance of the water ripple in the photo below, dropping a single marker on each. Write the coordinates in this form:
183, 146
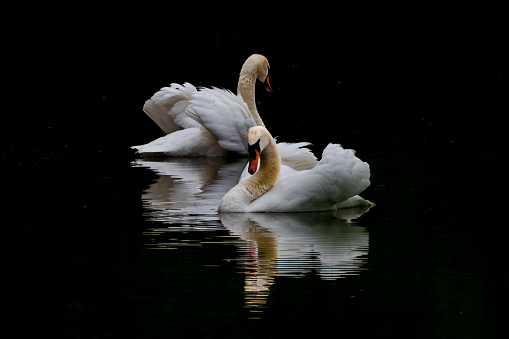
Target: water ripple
182, 204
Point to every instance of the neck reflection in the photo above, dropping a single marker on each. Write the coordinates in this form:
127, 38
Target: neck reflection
296, 244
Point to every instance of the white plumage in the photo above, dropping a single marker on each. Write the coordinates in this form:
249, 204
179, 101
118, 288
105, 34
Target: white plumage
167, 107
333, 183
294, 157
220, 119
212, 121
339, 176
195, 141
225, 115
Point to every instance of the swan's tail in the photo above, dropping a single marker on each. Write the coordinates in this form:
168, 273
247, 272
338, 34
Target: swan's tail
354, 202
186, 142
350, 174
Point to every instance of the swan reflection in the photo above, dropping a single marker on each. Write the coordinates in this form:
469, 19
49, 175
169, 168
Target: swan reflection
295, 244
188, 190
188, 186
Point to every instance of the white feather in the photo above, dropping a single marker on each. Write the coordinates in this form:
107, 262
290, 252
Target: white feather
196, 141
167, 107
225, 115
339, 176
219, 119
294, 157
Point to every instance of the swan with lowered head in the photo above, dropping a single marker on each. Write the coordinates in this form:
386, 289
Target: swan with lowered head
333, 183
206, 121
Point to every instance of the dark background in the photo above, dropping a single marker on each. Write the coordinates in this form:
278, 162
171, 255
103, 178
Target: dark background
419, 91
381, 80
74, 79
86, 71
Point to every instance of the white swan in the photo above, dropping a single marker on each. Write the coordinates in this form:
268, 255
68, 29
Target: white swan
212, 122
206, 121
333, 183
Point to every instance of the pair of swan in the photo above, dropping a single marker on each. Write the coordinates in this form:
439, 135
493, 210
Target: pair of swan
212, 122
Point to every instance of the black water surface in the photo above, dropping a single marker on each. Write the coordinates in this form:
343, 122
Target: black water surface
93, 252
100, 243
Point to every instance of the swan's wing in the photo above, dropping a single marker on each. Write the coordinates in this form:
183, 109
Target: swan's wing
337, 177
296, 155
159, 115
225, 115
196, 141
167, 107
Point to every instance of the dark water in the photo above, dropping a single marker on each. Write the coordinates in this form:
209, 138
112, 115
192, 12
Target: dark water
117, 246
101, 244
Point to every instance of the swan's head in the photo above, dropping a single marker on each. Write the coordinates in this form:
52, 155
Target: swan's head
258, 64
258, 139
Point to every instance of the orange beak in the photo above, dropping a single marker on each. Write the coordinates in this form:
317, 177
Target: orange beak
254, 157
253, 163
267, 85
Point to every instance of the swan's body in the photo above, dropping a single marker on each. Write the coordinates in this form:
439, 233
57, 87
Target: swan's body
206, 121
333, 183
175, 108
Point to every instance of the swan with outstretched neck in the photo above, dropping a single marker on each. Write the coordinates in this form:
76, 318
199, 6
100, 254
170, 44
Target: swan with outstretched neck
334, 182
206, 121
255, 67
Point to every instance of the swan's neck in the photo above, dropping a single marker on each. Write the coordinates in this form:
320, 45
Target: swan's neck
246, 88
266, 176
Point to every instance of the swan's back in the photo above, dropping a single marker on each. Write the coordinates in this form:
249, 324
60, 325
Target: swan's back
339, 176
296, 155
